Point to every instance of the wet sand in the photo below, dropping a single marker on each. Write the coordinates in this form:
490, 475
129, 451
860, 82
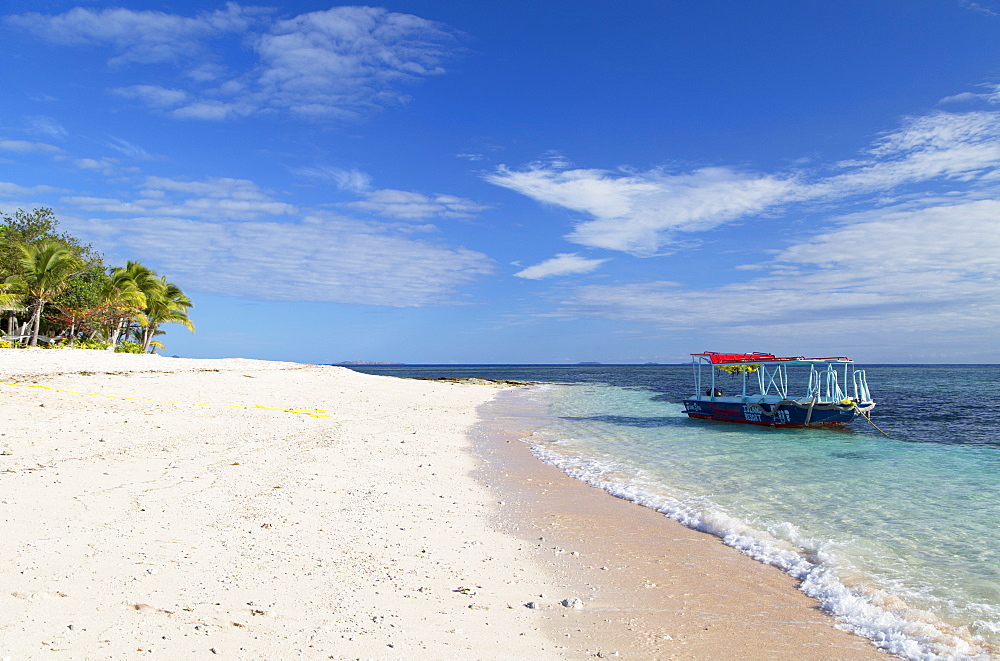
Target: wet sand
651, 588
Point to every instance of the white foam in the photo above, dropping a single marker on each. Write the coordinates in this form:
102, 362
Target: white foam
874, 614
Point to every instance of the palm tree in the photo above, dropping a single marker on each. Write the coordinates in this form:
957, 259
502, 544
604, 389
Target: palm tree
46, 267
123, 296
164, 305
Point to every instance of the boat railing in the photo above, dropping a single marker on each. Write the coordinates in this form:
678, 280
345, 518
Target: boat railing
861, 392
776, 378
824, 386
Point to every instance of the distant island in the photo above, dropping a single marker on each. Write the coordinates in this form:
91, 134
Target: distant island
365, 362
589, 363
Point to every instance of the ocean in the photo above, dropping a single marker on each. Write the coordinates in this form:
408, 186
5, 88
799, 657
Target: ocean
896, 535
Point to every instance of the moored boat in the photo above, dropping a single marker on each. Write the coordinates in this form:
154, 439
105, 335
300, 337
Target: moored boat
754, 388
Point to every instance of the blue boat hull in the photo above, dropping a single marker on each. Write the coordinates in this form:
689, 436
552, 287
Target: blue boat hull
786, 415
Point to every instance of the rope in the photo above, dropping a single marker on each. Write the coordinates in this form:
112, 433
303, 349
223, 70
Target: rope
313, 413
868, 416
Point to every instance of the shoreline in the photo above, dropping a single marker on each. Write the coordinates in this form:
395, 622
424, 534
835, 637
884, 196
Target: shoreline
650, 586
192, 507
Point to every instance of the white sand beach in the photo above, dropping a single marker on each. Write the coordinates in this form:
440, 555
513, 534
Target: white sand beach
183, 509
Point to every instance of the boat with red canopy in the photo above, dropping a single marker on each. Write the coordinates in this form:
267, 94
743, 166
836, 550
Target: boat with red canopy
754, 388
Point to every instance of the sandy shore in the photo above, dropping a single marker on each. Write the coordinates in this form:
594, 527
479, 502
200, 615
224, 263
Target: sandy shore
229, 518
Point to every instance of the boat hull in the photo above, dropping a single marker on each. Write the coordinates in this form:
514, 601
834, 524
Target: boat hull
784, 415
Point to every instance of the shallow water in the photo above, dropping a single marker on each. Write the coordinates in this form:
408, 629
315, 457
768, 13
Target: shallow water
895, 536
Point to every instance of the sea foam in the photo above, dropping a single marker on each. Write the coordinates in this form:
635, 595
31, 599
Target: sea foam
875, 614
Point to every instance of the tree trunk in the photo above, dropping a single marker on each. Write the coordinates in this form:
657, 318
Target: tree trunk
36, 322
117, 331
147, 336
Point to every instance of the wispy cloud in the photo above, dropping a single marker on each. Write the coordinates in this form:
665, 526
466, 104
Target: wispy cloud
347, 58
26, 146
562, 264
988, 7
912, 268
641, 213
128, 149
136, 36
923, 256
991, 95
154, 96
644, 213
46, 126
334, 63
318, 257
11, 190
407, 205
228, 236
346, 180
106, 166
214, 198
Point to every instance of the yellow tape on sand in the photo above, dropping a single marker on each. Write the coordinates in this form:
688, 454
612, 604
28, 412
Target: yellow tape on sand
313, 413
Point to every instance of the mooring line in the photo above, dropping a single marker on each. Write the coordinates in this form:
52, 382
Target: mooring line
867, 416
313, 413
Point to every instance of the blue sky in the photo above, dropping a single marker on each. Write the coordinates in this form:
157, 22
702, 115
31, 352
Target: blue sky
547, 181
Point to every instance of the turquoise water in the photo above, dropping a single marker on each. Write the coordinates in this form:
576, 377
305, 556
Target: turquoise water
896, 537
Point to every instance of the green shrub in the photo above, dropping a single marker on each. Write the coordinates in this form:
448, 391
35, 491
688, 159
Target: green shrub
6, 344
88, 344
129, 347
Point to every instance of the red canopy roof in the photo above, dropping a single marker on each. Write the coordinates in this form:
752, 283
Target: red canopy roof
756, 357
717, 357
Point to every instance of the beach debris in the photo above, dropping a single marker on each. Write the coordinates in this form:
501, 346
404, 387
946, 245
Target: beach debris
533, 605
467, 591
572, 602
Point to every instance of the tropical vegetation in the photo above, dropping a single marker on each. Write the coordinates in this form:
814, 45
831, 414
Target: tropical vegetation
56, 291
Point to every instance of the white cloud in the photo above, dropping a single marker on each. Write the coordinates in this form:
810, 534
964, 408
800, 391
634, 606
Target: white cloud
346, 180
154, 95
346, 58
561, 264
10, 190
406, 205
129, 149
389, 203
320, 257
960, 98
912, 269
106, 166
988, 7
41, 125
214, 198
25, 146
212, 110
137, 36
334, 63
644, 213
228, 236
